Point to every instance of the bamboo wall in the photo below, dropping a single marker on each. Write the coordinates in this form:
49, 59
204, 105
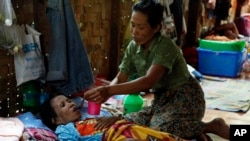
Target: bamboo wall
104, 28
102, 24
10, 97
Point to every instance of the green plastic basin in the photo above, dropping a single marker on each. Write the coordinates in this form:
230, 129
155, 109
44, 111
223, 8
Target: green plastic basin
222, 45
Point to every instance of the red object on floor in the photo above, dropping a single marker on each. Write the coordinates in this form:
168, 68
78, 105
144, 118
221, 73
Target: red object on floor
191, 55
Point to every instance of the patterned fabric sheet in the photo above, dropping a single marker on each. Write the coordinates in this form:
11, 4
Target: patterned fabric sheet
229, 95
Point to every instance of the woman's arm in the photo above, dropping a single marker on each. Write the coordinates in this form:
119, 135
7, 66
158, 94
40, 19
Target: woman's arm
120, 78
103, 93
146, 82
229, 30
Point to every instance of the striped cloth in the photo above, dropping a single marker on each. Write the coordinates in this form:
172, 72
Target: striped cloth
124, 130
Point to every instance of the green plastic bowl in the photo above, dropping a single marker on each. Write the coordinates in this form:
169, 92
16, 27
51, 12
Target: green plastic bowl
132, 103
131, 108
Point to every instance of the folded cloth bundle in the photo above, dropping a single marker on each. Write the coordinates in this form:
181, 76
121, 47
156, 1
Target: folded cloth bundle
39, 134
11, 129
35, 129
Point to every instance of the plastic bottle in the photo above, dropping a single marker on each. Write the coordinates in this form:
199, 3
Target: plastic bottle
132, 103
31, 96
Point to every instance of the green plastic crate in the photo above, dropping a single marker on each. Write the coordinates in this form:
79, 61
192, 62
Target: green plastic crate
222, 45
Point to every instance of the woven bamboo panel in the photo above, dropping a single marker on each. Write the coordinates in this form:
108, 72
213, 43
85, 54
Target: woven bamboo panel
10, 97
126, 9
94, 20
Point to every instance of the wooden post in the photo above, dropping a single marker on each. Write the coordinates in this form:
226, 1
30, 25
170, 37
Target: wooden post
115, 38
193, 16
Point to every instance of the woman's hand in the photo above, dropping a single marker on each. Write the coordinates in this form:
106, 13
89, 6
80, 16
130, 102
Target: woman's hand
99, 94
105, 122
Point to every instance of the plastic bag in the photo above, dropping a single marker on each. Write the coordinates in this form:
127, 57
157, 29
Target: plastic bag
246, 66
168, 26
29, 62
243, 24
9, 38
7, 14
6, 37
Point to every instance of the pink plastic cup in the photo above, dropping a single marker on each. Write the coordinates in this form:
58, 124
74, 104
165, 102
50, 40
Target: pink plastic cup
94, 108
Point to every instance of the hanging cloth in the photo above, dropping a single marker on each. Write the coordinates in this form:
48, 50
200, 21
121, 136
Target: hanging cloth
69, 69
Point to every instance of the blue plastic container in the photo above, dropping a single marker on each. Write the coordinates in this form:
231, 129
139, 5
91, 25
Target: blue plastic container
220, 63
